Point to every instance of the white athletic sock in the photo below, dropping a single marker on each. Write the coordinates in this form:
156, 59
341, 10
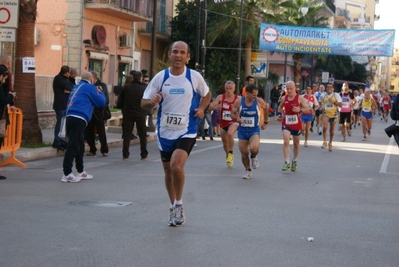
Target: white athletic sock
179, 202
171, 206
294, 159
287, 160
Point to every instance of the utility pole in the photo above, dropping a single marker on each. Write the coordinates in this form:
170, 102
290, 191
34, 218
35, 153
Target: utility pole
204, 37
198, 36
239, 51
153, 39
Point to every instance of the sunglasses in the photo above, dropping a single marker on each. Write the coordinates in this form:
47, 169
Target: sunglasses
146, 80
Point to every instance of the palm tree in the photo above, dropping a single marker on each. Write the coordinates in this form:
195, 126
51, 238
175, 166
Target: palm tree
339, 66
254, 12
25, 82
290, 14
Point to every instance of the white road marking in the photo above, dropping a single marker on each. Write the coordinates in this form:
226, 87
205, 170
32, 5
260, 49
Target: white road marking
385, 162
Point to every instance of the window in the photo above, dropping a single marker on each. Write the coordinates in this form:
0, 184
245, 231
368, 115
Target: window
97, 66
123, 71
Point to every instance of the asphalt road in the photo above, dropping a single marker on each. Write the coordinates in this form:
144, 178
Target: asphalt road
347, 201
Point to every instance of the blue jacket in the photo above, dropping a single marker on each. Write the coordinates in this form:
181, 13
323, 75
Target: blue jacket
82, 104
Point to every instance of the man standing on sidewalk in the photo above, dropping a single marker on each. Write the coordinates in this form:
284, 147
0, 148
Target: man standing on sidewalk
97, 121
134, 114
182, 95
61, 88
81, 102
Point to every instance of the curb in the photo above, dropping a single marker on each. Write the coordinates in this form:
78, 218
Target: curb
30, 154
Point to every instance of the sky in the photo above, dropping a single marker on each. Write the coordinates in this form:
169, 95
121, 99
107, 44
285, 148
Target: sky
387, 9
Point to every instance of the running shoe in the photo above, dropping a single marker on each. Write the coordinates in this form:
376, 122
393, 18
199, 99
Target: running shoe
179, 217
349, 132
306, 144
343, 139
255, 162
294, 166
70, 178
311, 130
324, 145
364, 138
171, 216
247, 175
368, 132
330, 146
230, 159
286, 166
84, 176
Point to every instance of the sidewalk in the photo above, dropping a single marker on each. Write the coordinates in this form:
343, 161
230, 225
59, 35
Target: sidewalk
114, 138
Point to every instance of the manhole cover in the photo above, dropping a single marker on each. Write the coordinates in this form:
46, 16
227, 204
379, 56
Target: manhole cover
110, 204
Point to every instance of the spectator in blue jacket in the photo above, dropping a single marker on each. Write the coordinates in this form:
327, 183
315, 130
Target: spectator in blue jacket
82, 100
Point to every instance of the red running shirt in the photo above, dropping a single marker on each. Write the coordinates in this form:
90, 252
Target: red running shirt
225, 110
386, 103
291, 120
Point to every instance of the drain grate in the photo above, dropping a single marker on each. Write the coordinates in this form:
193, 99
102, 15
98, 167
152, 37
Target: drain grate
109, 204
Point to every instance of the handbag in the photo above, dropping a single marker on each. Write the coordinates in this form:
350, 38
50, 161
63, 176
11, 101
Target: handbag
3, 125
107, 113
62, 134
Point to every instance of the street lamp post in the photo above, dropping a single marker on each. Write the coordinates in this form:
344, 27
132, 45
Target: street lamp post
239, 51
153, 40
204, 38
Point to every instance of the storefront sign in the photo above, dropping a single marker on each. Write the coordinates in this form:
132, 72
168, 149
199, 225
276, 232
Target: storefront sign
99, 35
28, 65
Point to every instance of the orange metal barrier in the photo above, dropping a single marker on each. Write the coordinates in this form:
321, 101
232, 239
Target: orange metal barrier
14, 136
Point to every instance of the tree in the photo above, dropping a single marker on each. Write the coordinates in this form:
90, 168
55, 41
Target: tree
227, 26
359, 73
338, 66
183, 26
290, 14
25, 82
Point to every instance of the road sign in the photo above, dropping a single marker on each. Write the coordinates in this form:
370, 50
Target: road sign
7, 35
324, 77
259, 66
331, 80
9, 13
28, 65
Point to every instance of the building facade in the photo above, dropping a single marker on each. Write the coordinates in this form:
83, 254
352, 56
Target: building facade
111, 37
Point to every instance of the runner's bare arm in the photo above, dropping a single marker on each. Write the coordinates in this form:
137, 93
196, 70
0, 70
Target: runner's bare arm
148, 104
234, 110
204, 102
215, 104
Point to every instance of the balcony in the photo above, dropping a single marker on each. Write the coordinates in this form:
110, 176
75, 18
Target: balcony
330, 4
343, 13
163, 29
361, 23
131, 10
